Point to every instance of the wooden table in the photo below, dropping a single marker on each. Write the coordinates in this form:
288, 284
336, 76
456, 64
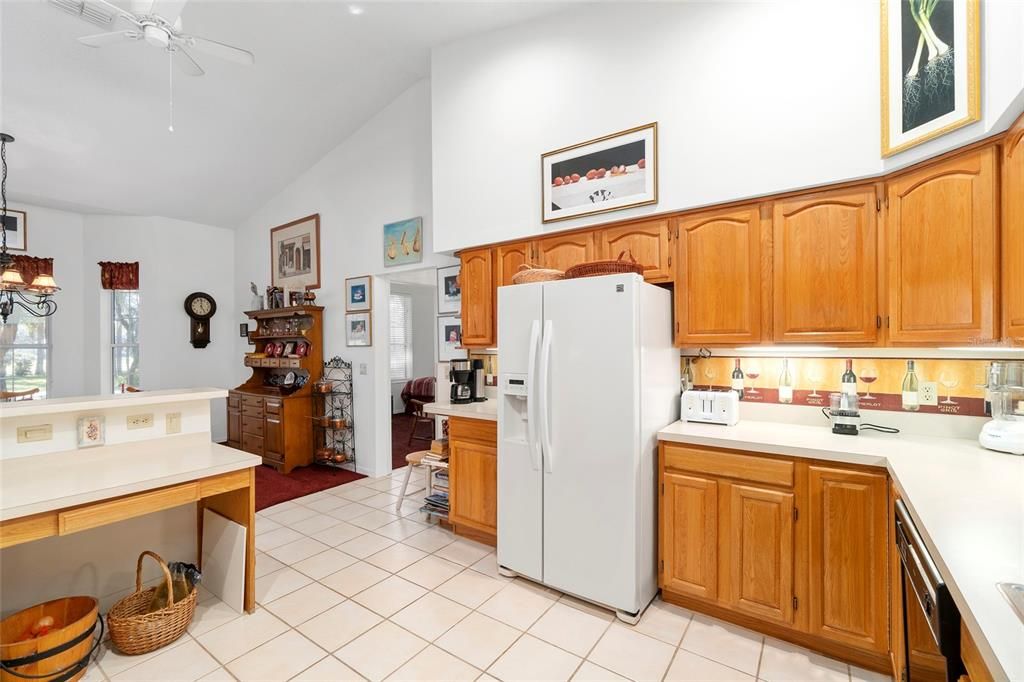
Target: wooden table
66, 492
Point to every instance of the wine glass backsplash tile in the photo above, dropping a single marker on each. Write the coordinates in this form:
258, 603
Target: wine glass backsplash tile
882, 383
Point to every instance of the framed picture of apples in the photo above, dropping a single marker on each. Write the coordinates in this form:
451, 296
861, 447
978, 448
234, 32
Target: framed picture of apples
607, 174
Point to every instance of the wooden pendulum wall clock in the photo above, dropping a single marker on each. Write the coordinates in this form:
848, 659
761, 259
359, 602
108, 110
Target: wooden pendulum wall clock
200, 308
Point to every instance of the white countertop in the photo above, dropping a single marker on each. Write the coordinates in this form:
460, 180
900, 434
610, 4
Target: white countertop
488, 410
41, 483
967, 502
25, 408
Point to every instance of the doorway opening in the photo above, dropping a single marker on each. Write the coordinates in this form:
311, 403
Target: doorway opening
412, 355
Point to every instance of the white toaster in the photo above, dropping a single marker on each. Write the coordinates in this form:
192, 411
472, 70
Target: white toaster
711, 407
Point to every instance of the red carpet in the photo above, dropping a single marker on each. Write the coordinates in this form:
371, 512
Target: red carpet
401, 426
273, 488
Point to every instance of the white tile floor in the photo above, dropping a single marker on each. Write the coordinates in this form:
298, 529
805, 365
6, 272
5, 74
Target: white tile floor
347, 590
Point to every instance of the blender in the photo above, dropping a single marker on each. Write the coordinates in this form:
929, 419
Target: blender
1005, 432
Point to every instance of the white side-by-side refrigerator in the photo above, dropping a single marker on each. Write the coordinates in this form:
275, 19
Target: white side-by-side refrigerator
588, 375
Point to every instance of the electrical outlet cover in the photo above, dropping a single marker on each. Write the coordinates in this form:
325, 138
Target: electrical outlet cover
174, 422
929, 393
140, 421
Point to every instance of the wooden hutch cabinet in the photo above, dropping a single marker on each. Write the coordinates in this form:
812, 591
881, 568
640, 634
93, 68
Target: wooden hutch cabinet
265, 416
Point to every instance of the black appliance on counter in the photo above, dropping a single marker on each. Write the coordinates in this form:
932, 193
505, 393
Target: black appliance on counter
931, 620
461, 376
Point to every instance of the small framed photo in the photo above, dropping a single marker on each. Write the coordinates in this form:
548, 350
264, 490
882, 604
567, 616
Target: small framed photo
91, 431
289, 348
609, 173
295, 253
357, 329
449, 339
16, 226
296, 298
449, 290
358, 294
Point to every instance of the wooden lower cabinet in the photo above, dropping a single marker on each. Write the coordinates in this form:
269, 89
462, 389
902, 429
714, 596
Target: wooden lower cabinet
794, 548
759, 548
277, 428
689, 535
847, 523
473, 478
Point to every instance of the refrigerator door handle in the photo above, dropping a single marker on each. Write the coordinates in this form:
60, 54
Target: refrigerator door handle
532, 438
545, 410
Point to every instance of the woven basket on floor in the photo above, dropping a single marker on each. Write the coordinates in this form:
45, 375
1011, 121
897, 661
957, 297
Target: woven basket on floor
597, 268
133, 631
528, 274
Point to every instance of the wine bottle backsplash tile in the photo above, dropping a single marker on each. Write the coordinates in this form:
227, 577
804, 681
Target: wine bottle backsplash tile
882, 383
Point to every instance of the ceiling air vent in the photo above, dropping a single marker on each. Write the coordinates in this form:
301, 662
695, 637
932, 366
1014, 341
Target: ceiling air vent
93, 12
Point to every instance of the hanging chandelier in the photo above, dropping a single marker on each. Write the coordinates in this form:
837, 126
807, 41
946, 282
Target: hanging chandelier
36, 297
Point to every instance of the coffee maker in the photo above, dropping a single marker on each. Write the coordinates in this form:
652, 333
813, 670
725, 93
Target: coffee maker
460, 373
478, 382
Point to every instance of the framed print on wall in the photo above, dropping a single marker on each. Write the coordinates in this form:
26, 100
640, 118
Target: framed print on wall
358, 293
358, 331
449, 339
607, 174
403, 242
449, 290
931, 72
295, 254
16, 228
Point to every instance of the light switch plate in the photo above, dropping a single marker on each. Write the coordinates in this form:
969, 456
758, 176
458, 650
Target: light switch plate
362, 368
140, 421
174, 422
35, 433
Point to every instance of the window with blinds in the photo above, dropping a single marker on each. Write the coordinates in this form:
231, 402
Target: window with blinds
400, 310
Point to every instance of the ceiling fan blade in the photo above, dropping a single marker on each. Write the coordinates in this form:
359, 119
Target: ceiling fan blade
102, 39
212, 47
184, 62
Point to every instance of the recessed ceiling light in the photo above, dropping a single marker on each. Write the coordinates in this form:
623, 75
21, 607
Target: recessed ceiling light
355, 10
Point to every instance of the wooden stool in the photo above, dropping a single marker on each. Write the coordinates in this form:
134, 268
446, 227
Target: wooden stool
415, 459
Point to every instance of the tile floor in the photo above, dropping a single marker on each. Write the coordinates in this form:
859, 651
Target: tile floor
347, 590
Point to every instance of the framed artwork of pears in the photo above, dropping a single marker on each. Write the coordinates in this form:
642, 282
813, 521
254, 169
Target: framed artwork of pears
403, 242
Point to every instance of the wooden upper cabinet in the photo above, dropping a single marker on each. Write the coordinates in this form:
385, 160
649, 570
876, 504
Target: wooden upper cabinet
718, 278
508, 258
1013, 233
760, 551
941, 245
478, 305
825, 267
689, 535
848, 520
649, 242
563, 251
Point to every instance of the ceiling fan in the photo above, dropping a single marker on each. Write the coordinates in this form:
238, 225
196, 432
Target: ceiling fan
157, 22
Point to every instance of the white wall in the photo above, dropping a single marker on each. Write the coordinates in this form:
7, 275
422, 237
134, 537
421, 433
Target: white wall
175, 259
750, 98
380, 174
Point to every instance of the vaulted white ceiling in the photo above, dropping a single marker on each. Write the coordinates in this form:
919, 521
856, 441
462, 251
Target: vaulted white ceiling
91, 124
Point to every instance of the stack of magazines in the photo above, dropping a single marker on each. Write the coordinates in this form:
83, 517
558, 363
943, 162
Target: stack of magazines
436, 504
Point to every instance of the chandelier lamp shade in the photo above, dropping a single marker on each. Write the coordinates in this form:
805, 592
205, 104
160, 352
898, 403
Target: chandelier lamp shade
35, 297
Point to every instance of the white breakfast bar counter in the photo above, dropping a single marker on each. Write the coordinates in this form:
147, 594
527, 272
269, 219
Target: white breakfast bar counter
967, 502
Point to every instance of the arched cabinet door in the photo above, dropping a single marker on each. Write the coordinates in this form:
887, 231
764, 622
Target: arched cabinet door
825, 270
563, 251
941, 242
1013, 234
718, 278
649, 242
